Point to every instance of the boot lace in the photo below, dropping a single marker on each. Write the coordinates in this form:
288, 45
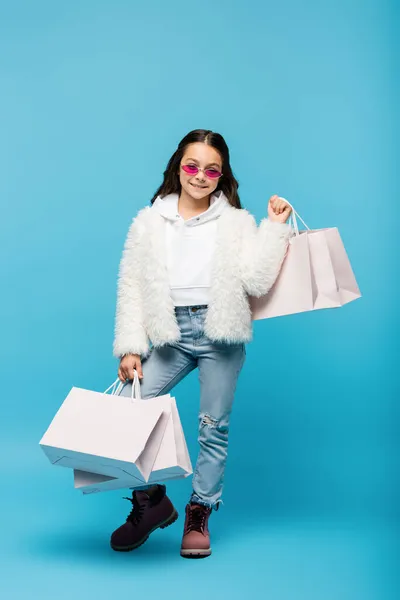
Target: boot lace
197, 518
137, 511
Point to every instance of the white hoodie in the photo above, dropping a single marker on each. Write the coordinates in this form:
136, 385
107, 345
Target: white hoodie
190, 246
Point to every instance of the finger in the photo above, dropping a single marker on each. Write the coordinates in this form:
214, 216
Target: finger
276, 205
131, 373
288, 209
121, 375
139, 370
282, 205
274, 200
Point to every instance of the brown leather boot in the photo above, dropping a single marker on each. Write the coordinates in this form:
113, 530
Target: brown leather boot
150, 510
196, 536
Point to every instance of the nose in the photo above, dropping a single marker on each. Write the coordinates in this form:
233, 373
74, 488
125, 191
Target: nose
200, 176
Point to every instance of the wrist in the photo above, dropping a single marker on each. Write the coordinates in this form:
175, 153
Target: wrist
276, 222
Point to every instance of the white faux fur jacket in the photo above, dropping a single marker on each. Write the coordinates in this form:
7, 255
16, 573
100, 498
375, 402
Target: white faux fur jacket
247, 261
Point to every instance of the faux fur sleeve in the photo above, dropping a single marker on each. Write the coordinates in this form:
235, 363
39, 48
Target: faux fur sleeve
130, 335
263, 250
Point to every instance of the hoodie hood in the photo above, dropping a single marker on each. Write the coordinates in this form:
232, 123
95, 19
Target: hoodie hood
168, 208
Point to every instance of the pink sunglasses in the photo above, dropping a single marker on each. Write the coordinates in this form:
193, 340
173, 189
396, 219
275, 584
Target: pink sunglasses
193, 170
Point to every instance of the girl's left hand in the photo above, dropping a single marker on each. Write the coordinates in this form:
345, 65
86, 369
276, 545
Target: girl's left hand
278, 209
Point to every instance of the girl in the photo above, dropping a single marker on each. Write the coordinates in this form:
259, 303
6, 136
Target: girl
190, 261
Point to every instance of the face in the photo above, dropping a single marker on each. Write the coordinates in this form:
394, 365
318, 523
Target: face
204, 157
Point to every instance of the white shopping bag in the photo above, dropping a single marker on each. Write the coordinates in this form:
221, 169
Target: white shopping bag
316, 273
107, 434
172, 460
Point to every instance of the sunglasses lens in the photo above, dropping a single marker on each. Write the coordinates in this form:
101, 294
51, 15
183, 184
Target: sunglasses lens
212, 173
191, 169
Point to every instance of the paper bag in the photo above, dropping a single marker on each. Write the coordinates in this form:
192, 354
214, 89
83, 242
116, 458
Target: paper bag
172, 460
316, 273
107, 434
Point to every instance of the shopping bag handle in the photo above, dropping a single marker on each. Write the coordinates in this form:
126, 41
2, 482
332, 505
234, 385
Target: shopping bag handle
293, 219
135, 392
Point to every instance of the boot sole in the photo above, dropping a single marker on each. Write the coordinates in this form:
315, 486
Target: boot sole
162, 525
195, 553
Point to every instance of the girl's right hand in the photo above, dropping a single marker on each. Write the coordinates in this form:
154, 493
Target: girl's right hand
127, 365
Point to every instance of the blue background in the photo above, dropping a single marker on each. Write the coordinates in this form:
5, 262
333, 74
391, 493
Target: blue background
94, 98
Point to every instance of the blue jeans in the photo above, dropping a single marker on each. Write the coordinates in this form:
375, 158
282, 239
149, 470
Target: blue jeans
219, 367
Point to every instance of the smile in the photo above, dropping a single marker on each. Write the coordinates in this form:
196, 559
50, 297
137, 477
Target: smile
201, 187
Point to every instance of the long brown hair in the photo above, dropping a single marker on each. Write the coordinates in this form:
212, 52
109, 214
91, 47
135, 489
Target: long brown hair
227, 183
